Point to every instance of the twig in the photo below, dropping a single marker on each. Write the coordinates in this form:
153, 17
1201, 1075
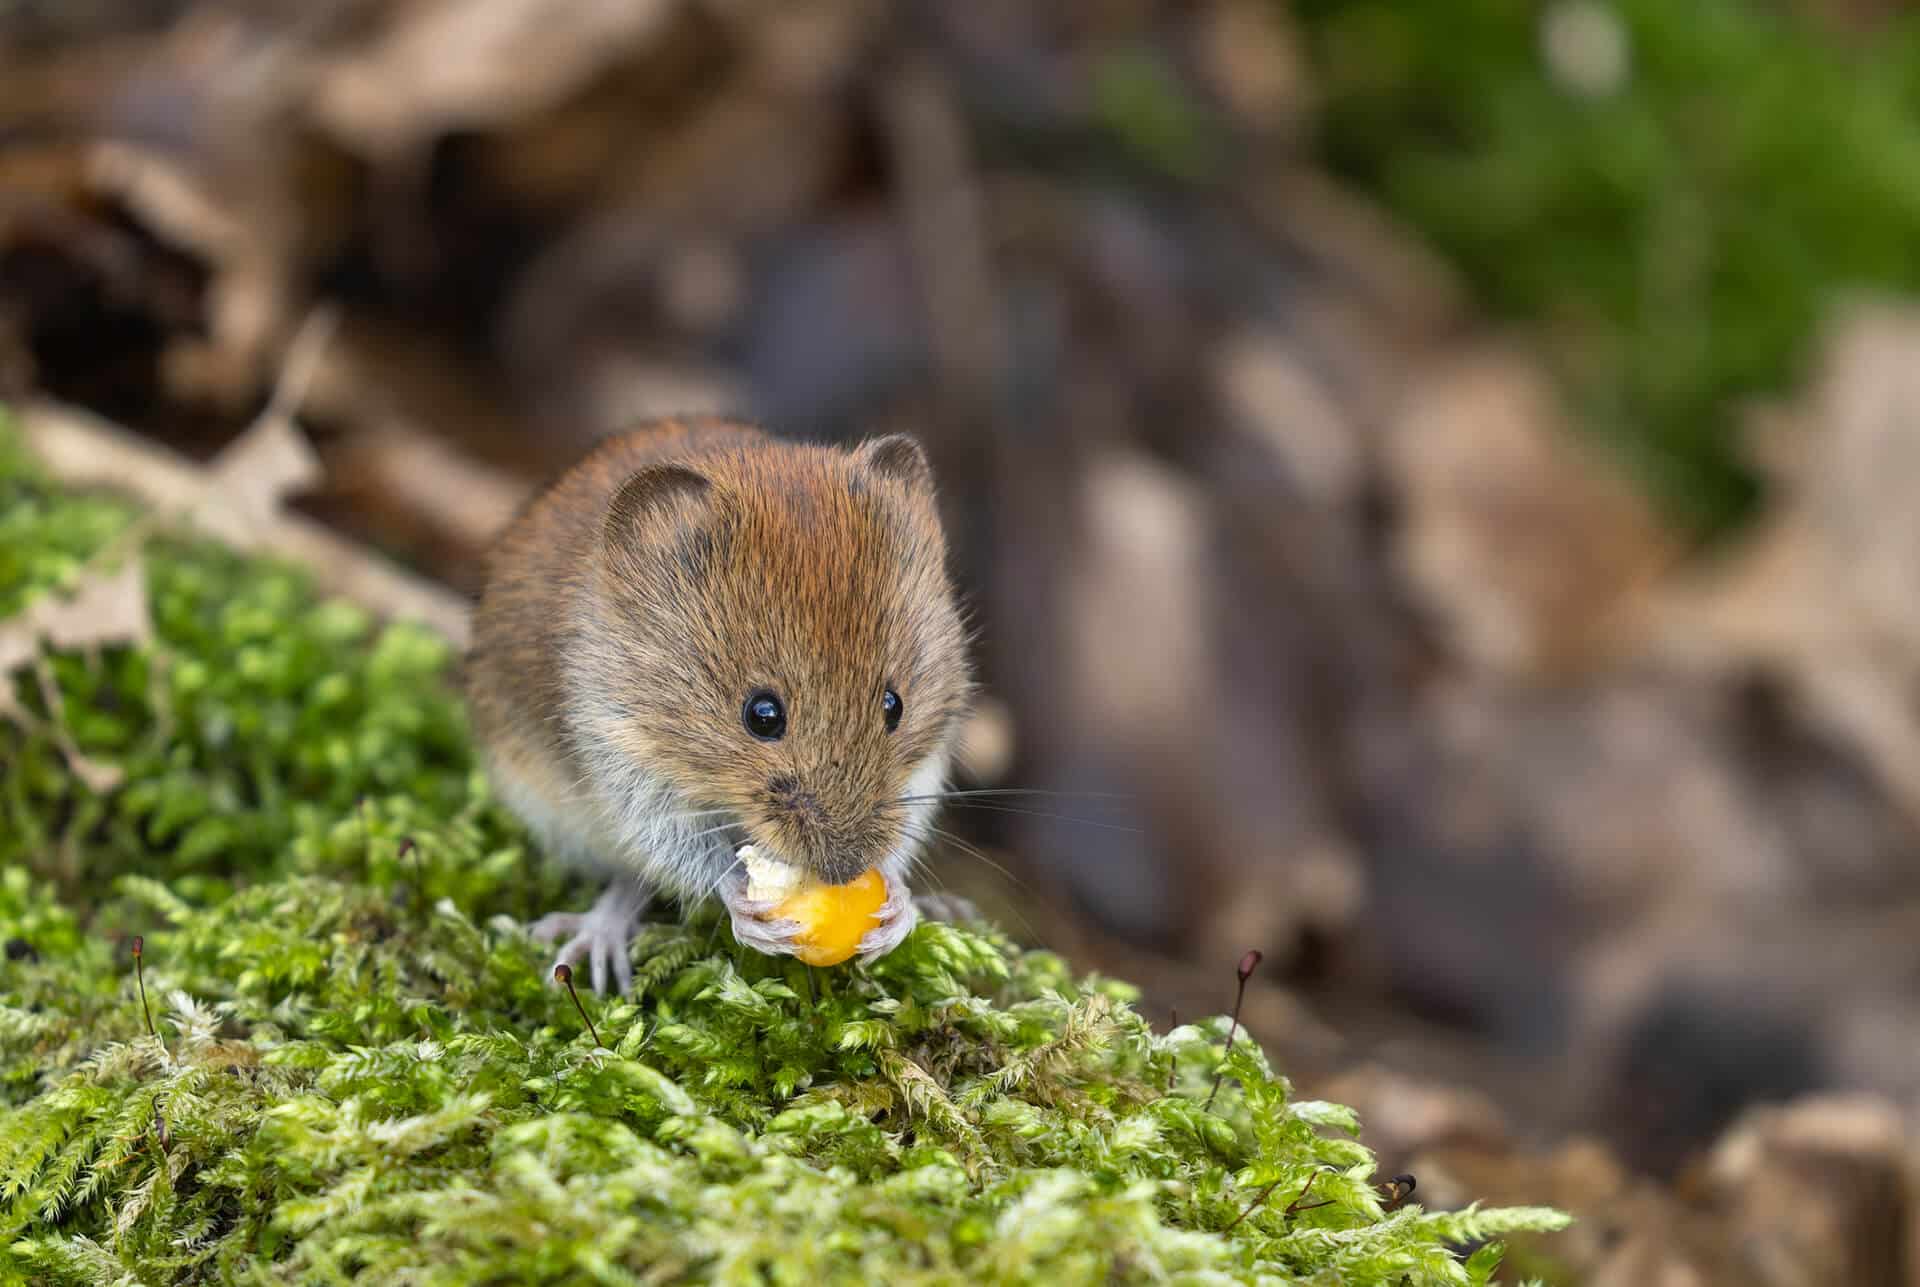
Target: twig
1249, 962
99, 777
140, 976
564, 973
1260, 1197
1292, 1207
1300, 1203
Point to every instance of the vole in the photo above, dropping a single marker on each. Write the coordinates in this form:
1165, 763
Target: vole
702, 636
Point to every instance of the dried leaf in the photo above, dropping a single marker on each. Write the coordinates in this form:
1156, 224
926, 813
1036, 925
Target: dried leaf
16, 645
100, 776
108, 608
272, 460
440, 66
248, 480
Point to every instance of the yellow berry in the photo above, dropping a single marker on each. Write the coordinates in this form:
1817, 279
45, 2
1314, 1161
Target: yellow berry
835, 917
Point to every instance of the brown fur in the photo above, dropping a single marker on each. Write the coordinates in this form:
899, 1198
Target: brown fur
631, 608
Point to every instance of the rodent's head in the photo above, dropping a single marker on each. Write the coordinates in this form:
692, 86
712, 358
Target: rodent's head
776, 639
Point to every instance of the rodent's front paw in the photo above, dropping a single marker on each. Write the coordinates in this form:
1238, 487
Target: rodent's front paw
600, 935
897, 917
754, 924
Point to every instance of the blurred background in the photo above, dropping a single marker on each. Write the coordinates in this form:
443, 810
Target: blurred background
1436, 480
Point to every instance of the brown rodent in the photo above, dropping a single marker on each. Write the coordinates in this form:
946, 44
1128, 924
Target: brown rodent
702, 635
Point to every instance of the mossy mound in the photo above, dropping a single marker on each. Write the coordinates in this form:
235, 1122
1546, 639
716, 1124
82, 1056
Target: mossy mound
360, 1069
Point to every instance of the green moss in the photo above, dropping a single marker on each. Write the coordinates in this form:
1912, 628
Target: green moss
1675, 242
361, 1069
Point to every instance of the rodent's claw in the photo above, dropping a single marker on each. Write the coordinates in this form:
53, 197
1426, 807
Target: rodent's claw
603, 955
753, 923
897, 917
601, 935
774, 938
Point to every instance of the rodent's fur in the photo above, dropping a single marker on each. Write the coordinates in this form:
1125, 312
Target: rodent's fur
632, 606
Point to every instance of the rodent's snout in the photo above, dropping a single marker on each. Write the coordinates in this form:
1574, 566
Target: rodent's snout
835, 844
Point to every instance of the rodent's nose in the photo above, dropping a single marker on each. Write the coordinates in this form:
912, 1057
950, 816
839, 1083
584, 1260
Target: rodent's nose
790, 799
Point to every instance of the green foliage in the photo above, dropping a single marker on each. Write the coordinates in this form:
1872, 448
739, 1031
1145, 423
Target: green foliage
359, 1068
260, 715
1676, 240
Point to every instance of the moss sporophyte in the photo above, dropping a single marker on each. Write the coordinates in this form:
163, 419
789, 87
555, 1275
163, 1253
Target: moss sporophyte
357, 1066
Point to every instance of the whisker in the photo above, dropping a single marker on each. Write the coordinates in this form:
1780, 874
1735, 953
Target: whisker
713, 935
1019, 885
919, 869
720, 879
1031, 813
698, 814
974, 852
978, 791
713, 831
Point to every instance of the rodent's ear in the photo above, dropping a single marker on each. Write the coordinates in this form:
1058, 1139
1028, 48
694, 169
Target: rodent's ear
655, 492
898, 457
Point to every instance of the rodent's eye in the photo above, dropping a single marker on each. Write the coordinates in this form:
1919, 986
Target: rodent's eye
764, 716
892, 708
